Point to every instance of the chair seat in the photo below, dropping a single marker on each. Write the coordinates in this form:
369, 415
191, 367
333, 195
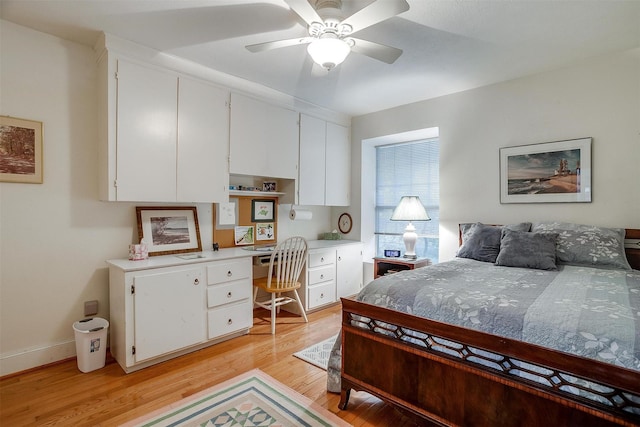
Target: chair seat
275, 287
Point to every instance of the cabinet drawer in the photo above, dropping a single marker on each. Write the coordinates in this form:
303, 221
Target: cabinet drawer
226, 271
321, 295
228, 293
321, 274
317, 259
228, 319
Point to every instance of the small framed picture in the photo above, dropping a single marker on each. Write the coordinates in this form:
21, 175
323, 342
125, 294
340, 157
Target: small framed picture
20, 150
265, 231
269, 186
243, 235
169, 230
262, 210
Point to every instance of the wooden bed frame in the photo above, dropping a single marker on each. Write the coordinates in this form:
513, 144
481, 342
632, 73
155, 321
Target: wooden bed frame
450, 389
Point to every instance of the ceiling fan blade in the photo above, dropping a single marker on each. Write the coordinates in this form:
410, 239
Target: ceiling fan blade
377, 11
277, 44
377, 51
304, 9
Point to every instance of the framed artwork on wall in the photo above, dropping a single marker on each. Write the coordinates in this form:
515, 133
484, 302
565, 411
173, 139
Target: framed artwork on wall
262, 210
20, 150
547, 172
169, 230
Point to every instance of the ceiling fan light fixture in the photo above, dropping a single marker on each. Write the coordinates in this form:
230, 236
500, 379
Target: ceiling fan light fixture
328, 52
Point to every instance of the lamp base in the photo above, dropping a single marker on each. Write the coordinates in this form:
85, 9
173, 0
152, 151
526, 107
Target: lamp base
410, 256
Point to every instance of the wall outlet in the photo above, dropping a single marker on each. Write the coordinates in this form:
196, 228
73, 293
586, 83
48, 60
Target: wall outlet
90, 308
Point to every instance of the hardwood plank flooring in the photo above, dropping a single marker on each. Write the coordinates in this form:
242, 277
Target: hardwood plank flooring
62, 395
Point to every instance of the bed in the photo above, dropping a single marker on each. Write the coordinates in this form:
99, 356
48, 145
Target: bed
532, 324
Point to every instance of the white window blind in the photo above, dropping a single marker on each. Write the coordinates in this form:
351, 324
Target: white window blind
408, 169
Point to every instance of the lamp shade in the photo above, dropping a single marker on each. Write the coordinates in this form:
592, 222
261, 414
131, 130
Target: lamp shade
410, 208
328, 52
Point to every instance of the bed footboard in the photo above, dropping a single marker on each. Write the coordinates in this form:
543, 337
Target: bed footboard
437, 373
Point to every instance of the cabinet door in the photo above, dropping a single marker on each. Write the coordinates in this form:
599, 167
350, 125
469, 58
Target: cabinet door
312, 158
349, 270
338, 166
169, 311
146, 134
263, 139
203, 142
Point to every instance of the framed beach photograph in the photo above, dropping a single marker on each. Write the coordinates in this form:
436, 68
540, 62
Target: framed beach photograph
262, 210
20, 150
546, 173
169, 230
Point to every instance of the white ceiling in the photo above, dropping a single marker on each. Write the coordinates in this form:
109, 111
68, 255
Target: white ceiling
449, 46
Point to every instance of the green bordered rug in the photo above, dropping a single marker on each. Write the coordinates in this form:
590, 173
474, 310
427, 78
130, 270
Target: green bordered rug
318, 354
252, 399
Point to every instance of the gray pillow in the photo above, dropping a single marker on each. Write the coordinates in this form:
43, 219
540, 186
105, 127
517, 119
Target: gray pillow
587, 244
482, 243
527, 250
467, 228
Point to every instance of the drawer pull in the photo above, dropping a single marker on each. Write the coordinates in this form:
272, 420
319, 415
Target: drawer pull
229, 294
196, 281
321, 296
322, 276
339, 258
230, 321
229, 273
321, 259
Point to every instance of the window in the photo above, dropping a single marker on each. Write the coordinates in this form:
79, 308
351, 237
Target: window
408, 169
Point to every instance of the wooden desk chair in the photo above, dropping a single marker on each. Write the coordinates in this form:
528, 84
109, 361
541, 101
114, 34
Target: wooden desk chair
285, 266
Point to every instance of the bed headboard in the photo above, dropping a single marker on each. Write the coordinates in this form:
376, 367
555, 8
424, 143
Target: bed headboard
632, 245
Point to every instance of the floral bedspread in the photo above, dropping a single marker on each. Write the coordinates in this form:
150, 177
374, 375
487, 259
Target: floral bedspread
590, 312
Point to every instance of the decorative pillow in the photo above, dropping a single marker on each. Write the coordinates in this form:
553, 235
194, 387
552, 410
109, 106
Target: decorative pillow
467, 228
482, 244
528, 250
587, 244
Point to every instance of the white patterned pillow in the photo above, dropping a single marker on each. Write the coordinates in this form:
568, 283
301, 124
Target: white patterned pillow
588, 245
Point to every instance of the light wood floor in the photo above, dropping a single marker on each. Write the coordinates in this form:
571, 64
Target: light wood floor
62, 395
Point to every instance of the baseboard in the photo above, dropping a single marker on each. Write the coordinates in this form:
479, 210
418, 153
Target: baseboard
33, 358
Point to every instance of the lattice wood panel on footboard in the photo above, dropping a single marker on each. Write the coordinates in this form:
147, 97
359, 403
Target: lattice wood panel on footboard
435, 372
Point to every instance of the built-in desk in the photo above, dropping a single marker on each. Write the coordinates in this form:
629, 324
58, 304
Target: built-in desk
169, 305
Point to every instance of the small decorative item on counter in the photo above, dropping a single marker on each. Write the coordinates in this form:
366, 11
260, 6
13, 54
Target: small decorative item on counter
138, 252
269, 186
334, 235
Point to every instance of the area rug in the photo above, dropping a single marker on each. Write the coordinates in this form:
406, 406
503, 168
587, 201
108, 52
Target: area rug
318, 354
252, 399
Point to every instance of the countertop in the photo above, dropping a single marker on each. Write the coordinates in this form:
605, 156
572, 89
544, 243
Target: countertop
209, 255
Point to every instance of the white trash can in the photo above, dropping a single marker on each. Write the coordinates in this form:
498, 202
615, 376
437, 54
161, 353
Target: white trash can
91, 343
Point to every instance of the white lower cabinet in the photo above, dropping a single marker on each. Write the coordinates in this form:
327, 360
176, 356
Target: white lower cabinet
331, 273
229, 303
164, 318
163, 312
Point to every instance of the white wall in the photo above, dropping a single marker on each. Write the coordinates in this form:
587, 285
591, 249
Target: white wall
599, 98
55, 237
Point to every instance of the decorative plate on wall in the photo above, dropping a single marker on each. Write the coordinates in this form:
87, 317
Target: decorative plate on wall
345, 223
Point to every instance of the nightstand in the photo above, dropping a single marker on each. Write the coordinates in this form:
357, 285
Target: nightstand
383, 266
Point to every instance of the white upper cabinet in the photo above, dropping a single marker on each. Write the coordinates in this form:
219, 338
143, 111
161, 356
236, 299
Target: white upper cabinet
146, 132
164, 137
312, 169
263, 139
338, 166
325, 163
203, 142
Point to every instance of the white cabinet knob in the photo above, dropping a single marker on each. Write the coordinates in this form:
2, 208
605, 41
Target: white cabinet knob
229, 273
229, 294
196, 281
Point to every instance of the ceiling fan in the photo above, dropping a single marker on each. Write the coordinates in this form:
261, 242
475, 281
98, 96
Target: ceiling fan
329, 38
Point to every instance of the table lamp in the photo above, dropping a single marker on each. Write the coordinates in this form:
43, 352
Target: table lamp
410, 209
